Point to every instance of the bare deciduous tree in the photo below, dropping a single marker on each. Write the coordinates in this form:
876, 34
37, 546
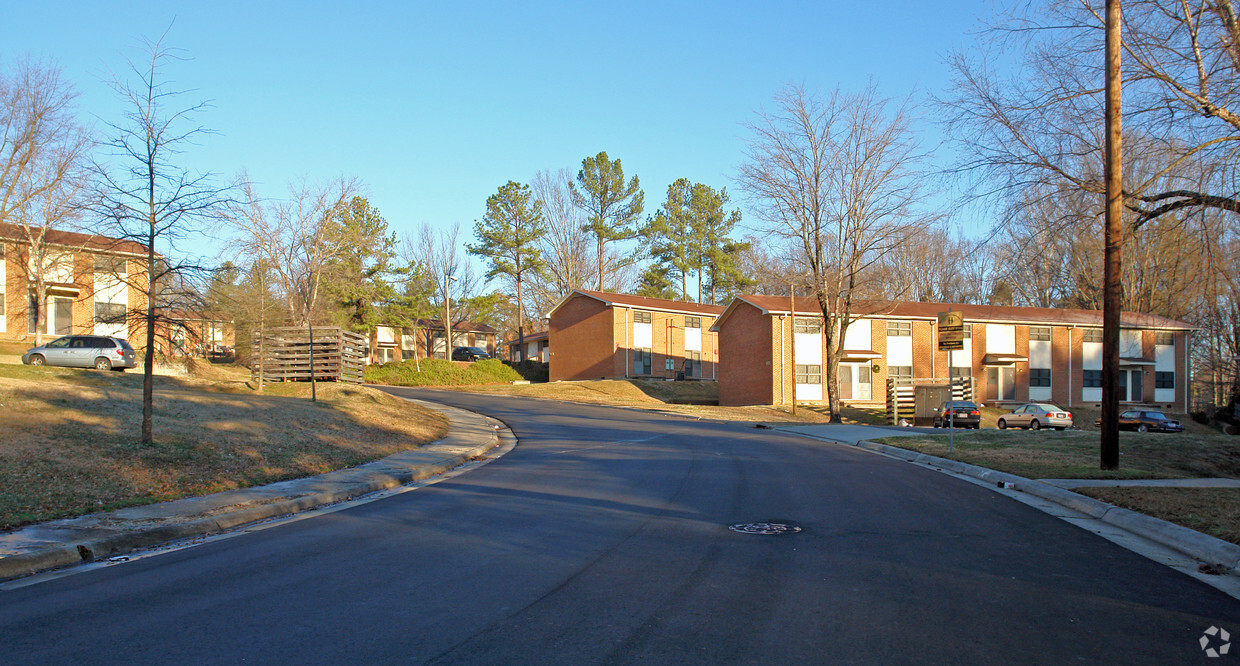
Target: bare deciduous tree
146, 197
836, 177
296, 237
566, 249
1045, 125
439, 251
43, 153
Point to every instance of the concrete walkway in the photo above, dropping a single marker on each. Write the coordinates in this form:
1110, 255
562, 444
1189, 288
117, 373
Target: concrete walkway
73, 541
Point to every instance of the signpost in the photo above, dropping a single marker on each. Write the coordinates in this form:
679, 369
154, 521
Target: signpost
951, 338
951, 331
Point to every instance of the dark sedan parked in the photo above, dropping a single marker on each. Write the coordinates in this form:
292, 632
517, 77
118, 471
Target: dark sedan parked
1146, 421
470, 354
958, 414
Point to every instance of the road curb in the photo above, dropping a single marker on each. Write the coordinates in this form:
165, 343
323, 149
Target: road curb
74, 541
1201, 547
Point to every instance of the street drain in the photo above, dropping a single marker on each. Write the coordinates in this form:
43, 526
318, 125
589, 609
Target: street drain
767, 528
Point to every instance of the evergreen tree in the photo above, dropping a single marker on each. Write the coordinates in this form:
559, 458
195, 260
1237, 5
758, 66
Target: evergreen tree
359, 279
673, 238
717, 264
508, 235
612, 207
656, 282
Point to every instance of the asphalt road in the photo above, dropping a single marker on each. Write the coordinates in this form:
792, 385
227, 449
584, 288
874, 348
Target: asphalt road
603, 537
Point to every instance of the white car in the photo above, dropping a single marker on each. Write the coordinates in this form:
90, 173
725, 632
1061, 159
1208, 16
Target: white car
1035, 416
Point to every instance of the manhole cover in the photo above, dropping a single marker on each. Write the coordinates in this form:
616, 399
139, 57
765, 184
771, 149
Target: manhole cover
770, 528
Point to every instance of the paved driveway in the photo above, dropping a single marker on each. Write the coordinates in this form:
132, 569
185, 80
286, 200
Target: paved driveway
604, 538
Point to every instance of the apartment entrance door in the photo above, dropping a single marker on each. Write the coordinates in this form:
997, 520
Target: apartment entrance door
1001, 383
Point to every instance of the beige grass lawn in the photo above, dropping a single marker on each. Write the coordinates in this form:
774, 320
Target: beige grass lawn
70, 437
1074, 454
665, 397
1214, 511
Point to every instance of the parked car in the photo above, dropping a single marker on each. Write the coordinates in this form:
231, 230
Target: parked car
1035, 416
84, 351
469, 354
1145, 421
959, 414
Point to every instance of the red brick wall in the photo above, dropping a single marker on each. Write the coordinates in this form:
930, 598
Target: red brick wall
748, 357
1063, 382
923, 350
14, 295
582, 336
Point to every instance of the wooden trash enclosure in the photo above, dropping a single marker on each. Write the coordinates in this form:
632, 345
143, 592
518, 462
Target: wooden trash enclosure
339, 355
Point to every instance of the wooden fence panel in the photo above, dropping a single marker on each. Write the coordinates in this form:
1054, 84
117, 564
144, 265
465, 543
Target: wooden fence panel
284, 354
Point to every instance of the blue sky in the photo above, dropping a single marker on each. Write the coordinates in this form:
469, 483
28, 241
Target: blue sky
435, 105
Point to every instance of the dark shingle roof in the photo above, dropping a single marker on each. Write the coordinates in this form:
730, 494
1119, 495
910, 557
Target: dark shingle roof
14, 232
1005, 314
647, 303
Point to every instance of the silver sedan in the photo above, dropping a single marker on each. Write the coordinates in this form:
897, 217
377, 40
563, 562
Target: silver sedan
1035, 416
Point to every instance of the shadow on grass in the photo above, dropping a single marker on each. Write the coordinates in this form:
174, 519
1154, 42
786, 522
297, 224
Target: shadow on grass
72, 447
686, 392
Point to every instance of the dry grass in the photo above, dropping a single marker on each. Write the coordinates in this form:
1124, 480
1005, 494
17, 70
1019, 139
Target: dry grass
1214, 511
71, 446
659, 396
1074, 454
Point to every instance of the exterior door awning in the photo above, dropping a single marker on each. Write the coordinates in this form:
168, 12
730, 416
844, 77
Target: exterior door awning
1130, 361
860, 355
1003, 359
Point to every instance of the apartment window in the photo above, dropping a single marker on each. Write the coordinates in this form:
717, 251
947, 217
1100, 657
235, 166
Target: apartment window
1040, 333
1164, 380
1093, 379
109, 313
643, 317
1093, 335
899, 328
641, 361
693, 322
900, 372
1164, 338
1039, 376
110, 265
959, 373
693, 364
968, 331
804, 325
809, 374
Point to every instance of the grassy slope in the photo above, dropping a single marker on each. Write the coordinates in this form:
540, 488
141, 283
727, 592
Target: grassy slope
70, 438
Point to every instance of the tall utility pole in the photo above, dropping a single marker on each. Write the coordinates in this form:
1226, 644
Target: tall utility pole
1112, 291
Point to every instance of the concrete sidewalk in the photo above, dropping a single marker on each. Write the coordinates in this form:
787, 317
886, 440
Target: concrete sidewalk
1217, 554
68, 542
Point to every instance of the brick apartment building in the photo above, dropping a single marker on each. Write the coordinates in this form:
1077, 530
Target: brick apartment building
91, 283
600, 335
536, 348
1012, 354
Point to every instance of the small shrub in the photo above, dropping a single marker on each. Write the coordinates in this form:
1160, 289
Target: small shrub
533, 371
438, 372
